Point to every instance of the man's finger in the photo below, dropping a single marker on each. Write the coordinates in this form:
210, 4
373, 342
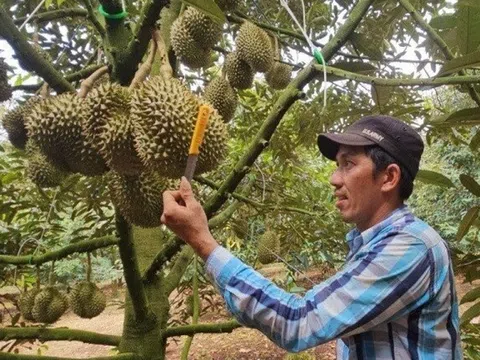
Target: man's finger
186, 191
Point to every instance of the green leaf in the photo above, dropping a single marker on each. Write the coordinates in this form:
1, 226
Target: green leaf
48, 3
210, 8
475, 142
457, 64
381, 95
459, 118
468, 26
470, 184
471, 313
434, 178
60, 2
366, 46
443, 22
470, 296
352, 66
467, 222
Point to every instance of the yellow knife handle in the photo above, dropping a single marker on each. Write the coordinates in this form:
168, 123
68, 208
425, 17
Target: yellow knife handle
200, 126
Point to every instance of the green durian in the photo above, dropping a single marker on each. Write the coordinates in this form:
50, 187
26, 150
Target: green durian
201, 27
279, 76
27, 301
239, 73
87, 300
49, 305
5, 88
14, 122
221, 95
254, 46
186, 48
269, 242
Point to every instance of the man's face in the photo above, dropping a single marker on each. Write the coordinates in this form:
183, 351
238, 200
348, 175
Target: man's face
358, 193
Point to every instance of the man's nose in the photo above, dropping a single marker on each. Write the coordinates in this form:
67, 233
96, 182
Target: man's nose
336, 179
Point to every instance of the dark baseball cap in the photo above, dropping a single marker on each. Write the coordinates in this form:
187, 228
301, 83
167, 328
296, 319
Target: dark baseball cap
394, 136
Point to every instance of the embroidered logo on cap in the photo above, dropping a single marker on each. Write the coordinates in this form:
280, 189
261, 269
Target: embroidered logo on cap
373, 134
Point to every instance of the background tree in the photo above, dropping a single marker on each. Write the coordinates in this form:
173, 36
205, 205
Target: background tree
368, 47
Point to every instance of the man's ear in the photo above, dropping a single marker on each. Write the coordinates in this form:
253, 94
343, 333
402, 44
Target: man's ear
391, 178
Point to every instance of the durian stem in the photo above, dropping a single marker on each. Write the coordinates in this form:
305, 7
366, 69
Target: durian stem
89, 267
146, 67
225, 327
37, 282
447, 52
79, 247
131, 270
46, 334
88, 83
44, 91
26, 53
51, 275
166, 70
196, 309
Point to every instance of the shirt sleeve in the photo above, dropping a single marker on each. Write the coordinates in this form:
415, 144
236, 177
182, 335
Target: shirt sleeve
386, 281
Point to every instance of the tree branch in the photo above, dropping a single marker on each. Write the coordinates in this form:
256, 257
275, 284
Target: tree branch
447, 80
45, 334
93, 18
131, 270
79, 247
53, 15
178, 269
76, 76
439, 41
28, 55
226, 327
125, 356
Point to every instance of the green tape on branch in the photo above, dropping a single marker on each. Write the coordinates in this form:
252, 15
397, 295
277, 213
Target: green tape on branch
106, 15
318, 56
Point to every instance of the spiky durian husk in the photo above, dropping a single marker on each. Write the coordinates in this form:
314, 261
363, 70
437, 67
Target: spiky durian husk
14, 123
164, 113
279, 76
269, 242
221, 95
38, 49
186, 48
228, 5
49, 305
42, 172
87, 300
139, 198
55, 125
200, 27
5, 88
253, 45
239, 73
109, 130
27, 301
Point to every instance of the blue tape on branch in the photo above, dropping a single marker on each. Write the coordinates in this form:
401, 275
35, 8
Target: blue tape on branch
106, 15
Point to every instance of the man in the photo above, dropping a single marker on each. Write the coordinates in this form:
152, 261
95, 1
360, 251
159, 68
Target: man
395, 297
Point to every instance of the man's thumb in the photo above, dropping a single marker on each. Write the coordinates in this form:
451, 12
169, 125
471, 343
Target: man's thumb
186, 190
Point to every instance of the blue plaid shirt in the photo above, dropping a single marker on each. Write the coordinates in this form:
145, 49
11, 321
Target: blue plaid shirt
394, 299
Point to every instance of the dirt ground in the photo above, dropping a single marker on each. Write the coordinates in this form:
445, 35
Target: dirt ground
241, 344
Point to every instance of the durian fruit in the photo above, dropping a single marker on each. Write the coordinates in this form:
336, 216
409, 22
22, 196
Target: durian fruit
49, 305
254, 46
38, 49
139, 198
186, 48
200, 27
87, 300
14, 122
41, 171
269, 242
164, 113
5, 88
239, 73
109, 130
228, 5
279, 76
55, 125
220, 94
26, 303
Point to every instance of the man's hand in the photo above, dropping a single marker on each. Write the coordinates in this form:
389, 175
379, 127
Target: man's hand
185, 217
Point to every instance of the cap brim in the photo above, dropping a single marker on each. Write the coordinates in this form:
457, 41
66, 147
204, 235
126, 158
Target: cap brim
328, 144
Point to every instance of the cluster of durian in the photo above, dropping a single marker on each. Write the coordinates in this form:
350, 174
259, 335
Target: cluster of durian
43, 305
5, 88
267, 247
141, 136
192, 36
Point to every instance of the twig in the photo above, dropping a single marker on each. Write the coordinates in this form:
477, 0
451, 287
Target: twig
145, 68
88, 83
